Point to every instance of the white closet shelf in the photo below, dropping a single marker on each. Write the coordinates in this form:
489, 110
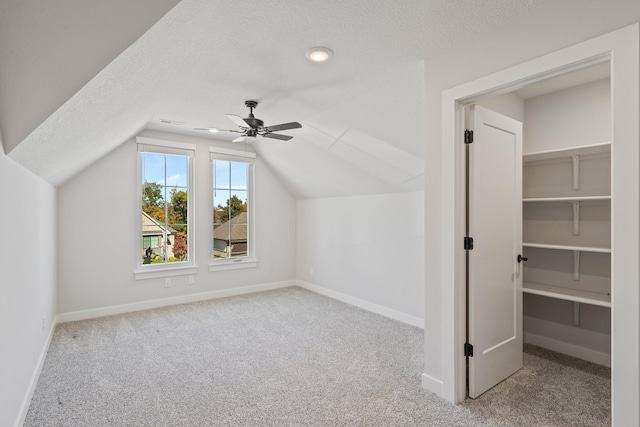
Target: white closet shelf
567, 294
568, 247
583, 150
567, 199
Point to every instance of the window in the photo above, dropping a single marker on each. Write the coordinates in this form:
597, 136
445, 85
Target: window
233, 243
166, 182
150, 241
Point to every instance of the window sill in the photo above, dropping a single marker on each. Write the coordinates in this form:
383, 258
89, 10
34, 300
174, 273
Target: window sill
235, 264
162, 271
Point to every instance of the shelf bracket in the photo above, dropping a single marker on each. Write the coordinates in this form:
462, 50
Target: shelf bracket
576, 313
576, 265
575, 160
576, 218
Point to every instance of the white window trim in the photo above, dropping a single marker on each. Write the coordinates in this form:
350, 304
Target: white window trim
250, 261
155, 271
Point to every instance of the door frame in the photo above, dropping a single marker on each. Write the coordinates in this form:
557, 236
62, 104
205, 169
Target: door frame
621, 49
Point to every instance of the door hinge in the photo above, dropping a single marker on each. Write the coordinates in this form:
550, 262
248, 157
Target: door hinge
468, 136
468, 243
468, 350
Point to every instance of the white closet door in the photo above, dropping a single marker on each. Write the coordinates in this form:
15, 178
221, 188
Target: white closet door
495, 223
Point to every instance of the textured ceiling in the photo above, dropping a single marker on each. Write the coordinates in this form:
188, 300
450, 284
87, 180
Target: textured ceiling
362, 112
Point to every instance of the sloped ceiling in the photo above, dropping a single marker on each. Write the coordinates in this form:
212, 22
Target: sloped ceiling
362, 112
50, 49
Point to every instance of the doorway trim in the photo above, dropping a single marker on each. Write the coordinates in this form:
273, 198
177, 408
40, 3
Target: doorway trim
621, 48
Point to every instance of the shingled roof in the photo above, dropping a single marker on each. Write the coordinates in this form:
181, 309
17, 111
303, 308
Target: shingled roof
238, 229
151, 227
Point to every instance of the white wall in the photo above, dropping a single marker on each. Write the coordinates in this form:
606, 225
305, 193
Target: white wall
509, 104
98, 211
558, 25
580, 115
27, 281
366, 250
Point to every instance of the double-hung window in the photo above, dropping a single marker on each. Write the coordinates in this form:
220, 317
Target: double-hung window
233, 243
166, 239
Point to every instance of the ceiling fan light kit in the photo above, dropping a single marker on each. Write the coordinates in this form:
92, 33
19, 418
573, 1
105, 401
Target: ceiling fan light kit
252, 126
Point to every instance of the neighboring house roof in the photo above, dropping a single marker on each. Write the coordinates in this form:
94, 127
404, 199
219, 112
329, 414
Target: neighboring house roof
239, 249
238, 229
151, 227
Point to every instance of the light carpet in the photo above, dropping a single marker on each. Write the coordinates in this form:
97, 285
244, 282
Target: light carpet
287, 357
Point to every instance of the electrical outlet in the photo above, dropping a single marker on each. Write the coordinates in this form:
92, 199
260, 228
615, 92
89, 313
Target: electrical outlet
311, 271
42, 318
192, 280
167, 283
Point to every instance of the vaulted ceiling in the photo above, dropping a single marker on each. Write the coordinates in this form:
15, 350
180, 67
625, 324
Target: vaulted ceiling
78, 78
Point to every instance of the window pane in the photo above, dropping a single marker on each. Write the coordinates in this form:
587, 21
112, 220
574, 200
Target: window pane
237, 203
178, 213
239, 176
238, 239
152, 167
222, 174
221, 206
221, 242
177, 169
153, 200
179, 249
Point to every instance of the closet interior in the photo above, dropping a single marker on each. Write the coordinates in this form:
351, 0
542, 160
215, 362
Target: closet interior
567, 219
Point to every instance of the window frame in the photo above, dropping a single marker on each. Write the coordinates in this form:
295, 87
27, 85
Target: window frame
160, 146
250, 260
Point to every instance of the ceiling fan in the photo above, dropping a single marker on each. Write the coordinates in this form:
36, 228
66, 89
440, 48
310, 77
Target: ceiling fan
252, 126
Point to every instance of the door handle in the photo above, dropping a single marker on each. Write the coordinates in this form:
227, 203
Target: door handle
521, 258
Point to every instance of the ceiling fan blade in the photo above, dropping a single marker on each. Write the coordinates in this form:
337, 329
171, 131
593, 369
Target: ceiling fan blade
240, 139
216, 130
238, 120
284, 126
277, 136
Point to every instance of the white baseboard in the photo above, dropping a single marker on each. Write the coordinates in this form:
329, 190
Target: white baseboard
568, 349
164, 302
369, 306
433, 385
26, 402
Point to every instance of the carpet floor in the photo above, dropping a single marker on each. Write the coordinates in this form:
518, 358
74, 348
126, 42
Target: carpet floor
287, 357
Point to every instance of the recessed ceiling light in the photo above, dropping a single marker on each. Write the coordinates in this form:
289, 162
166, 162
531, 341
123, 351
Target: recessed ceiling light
319, 54
214, 130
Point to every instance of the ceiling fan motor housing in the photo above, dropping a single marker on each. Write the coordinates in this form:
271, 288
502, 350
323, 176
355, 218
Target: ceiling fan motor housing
251, 120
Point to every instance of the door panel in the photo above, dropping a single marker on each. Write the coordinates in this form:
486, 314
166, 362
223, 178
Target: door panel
495, 223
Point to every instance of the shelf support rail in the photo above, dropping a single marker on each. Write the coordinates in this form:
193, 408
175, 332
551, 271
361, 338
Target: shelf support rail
575, 160
576, 265
576, 218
